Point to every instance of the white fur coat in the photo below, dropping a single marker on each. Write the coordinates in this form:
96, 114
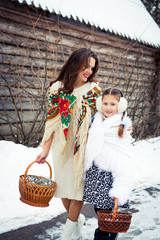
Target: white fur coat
111, 153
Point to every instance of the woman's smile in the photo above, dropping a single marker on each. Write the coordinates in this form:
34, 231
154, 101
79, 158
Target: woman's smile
85, 72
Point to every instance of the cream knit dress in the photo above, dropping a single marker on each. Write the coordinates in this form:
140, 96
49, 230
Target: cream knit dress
64, 164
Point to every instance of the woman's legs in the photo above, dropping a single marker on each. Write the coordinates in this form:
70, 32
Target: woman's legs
66, 202
72, 226
73, 208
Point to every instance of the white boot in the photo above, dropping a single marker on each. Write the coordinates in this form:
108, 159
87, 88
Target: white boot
77, 233
68, 229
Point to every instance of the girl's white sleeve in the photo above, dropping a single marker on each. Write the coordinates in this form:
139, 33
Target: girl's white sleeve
122, 186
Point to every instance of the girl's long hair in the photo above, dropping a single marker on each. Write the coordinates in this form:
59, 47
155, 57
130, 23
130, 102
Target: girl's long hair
76, 61
116, 93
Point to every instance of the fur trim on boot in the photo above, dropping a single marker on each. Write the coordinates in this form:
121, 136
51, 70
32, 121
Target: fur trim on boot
68, 229
77, 233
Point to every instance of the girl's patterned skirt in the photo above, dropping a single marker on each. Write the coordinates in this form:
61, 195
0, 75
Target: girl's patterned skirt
97, 185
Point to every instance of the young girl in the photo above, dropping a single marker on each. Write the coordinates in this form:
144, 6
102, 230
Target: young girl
107, 157
72, 97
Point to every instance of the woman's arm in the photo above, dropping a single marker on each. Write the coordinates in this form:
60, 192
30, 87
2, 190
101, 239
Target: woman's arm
41, 158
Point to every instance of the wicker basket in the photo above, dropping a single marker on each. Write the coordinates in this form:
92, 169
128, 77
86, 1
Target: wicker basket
34, 194
114, 222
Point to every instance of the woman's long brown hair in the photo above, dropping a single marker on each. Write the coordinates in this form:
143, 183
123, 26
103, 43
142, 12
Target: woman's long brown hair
117, 93
76, 61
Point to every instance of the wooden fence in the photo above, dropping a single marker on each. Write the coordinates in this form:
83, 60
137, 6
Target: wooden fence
33, 47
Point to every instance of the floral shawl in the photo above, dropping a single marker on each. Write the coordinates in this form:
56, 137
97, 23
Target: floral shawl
73, 112
63, 103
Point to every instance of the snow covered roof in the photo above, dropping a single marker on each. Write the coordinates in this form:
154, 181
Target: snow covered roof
127, 18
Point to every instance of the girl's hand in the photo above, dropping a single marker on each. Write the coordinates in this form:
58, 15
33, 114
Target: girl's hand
41, 158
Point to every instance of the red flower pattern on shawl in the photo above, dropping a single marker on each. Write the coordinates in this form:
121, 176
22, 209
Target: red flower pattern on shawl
63, 105
65, 132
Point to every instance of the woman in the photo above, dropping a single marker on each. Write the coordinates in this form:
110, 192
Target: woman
71, 97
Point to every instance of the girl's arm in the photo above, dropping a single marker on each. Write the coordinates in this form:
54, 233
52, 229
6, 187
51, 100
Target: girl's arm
41, 158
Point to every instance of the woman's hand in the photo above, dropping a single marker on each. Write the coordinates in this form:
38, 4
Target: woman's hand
130, 129
41, 158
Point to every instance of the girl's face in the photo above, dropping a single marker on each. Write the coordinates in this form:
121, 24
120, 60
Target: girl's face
85, 72
109, 105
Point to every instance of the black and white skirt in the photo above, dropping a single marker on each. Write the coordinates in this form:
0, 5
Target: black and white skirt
97, 185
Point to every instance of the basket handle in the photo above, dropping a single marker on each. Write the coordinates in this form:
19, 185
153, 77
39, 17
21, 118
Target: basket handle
115, 208
25, 174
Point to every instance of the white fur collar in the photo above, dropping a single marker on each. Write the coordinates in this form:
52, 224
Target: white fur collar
113, 121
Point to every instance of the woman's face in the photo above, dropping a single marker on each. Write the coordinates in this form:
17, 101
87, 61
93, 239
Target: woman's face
109, 105
85, 72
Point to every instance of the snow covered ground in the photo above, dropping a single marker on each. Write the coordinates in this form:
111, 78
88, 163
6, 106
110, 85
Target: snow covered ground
15, 158
145, 224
